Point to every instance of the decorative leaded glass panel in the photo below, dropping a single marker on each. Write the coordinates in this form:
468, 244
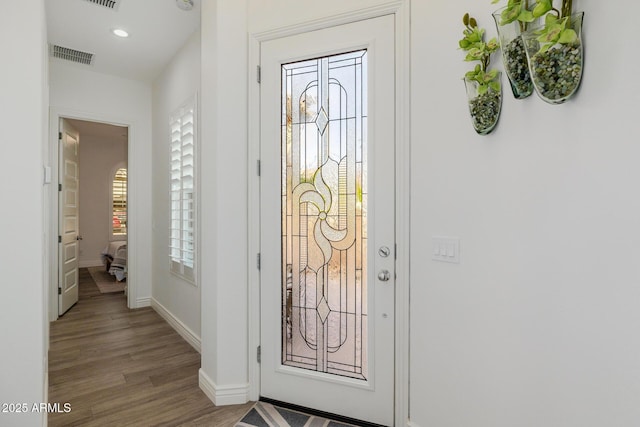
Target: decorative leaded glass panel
324, 214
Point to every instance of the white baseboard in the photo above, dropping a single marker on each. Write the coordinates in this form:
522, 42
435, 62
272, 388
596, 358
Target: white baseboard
412, 424
182, 329
143, 302
223, 395
90, 263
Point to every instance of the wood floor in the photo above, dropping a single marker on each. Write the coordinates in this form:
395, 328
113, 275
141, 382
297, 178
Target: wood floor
121, 367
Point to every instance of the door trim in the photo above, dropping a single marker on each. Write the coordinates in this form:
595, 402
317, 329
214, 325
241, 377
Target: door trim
55, 114
401, 11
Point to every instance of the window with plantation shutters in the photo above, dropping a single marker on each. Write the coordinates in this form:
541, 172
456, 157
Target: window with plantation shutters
183, 213
119, 203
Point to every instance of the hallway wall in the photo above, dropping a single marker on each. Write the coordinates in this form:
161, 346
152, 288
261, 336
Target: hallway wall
223, 201
81, 93
23, 256
178, 82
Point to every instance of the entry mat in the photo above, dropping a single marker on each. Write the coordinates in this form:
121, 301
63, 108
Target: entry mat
264, 414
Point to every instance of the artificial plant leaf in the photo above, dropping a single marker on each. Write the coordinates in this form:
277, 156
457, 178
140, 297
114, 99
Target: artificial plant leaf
473, 23
568, 36
542, 7
470, 75
510, 14
474, 55
490, 75
475, 36
552, 34
465, 19
526, 16
492, 45
464, 44
482, 89
495, 1
550, 19
495, 86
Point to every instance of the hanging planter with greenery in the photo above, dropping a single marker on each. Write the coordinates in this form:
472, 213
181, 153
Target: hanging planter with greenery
511, 21
483, 87
555, 54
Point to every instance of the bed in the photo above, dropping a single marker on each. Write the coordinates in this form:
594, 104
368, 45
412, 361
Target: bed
114, 257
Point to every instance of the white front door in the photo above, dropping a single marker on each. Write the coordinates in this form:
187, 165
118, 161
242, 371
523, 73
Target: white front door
327, 208
69, 178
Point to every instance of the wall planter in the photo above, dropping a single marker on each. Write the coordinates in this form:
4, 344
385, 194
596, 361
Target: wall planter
555, 57
514, 57
484, 91
484, 107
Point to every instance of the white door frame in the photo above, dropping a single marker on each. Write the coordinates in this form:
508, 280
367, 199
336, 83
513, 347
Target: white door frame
401, 10
55, 114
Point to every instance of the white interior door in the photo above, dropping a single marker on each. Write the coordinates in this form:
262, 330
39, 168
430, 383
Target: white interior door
327, 219
68, 200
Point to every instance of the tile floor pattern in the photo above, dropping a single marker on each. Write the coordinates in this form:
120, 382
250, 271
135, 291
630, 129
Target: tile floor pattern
267, 415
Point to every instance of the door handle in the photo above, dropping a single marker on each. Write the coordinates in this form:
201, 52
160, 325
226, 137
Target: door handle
78, 237
384, 275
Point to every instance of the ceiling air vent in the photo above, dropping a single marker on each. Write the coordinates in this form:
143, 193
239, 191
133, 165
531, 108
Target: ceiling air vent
71, 55
110, 4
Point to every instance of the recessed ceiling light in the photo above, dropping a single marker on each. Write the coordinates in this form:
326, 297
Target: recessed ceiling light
120, 32
185, 4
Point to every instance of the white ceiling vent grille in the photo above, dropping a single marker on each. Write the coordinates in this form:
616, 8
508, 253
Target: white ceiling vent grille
110, 4
71, 55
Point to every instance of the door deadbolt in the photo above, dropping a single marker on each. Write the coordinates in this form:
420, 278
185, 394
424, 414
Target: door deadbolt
384, 251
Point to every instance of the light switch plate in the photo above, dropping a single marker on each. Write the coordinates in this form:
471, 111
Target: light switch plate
445, 249
47, 174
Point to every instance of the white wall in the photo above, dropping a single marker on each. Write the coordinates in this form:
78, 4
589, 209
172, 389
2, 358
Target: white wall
178, 82
537, 324
223, 160
80, 93
99, 158
23, 85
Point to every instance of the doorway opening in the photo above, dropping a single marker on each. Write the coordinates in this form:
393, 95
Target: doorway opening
91, 213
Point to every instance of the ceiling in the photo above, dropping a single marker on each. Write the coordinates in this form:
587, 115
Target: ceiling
157, 28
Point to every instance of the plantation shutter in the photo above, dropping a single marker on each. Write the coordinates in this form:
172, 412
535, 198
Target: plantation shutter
119, 205
182, 232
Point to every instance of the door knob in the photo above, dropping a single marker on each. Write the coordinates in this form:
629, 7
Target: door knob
384, 275
78, 237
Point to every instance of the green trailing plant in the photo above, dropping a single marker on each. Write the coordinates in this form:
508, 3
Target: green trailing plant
557, 27
511, 21
483, 84
526, 11
555, 53
516, 11
477, 50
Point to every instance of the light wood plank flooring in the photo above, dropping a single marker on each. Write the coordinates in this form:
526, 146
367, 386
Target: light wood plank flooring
121, 367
